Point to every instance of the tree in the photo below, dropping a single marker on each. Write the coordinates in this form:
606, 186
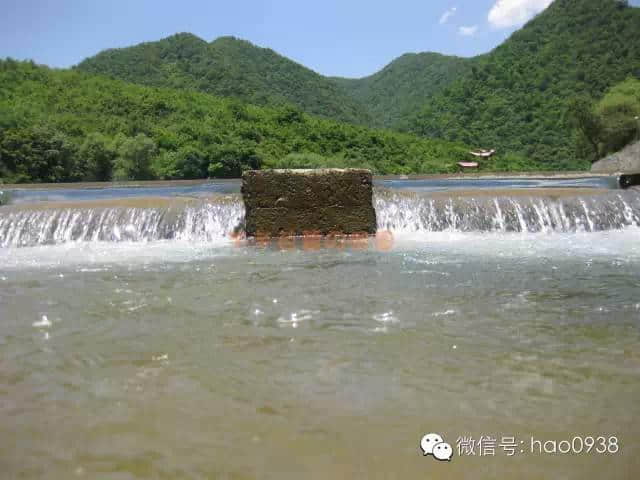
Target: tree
588, 126
96, 157
134, 157
618, 113
191, 162
231, 159
165, 166
36, 154
289, 115
610, 124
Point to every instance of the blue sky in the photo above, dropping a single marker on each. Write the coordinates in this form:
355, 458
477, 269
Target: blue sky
350, 38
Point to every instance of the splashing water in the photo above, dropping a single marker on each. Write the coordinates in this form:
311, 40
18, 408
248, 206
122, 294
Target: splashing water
398, 212
201, 222
410, 213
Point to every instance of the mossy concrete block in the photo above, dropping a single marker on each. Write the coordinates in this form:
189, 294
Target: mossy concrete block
308, 202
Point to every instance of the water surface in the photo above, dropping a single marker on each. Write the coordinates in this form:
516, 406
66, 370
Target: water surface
151, 342
200, 189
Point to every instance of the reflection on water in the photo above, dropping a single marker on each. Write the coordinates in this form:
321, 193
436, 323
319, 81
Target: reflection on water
205, 357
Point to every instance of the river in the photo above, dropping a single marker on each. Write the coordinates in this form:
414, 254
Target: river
142, 337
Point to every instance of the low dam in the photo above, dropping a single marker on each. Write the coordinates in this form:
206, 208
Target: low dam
222, 217
143, 332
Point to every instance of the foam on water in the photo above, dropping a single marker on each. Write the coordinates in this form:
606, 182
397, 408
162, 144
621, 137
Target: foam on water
597, 225
92, 257
621, 245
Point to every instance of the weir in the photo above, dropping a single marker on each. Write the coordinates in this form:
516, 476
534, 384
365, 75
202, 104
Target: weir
400, 212
205, 221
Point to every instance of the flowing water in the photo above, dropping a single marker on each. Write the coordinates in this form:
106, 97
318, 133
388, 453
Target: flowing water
143, 338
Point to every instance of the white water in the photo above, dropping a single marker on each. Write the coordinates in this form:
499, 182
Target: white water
619, 246
398, 212
407, 213
206, 222
588, 227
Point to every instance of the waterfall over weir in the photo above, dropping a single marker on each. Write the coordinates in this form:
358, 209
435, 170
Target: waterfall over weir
213, 219
402, 212
203, 222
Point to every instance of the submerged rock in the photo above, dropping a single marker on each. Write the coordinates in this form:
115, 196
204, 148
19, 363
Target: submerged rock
308, 202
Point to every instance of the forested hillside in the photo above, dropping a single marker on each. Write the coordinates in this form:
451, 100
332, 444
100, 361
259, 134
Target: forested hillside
228, 67
610, 124
397, 91
185, 108
69, 125
517, 97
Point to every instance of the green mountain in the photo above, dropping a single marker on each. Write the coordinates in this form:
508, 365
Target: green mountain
227, 67
516, 98
399, 89
231, 67
531, 98
66, 125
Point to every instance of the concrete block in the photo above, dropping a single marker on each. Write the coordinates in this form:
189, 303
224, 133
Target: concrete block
308, 202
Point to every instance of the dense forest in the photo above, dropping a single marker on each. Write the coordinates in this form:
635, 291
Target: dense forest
398, 90
228, 67
69, 125
231, 67
517, 98
557, 95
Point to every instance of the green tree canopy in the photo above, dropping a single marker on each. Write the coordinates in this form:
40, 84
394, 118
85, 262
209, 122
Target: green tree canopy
610, 124
77, 126
134, 157
95, 158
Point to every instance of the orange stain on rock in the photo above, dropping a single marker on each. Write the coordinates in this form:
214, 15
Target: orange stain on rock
384, 241
287, 243
312, 242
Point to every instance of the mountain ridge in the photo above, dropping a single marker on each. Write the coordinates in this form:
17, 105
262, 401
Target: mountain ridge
393, 91
227, 66
514, 98
69, 125
373, 100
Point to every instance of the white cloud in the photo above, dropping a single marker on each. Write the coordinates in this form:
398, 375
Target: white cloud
509, 13
447, 15
468, 31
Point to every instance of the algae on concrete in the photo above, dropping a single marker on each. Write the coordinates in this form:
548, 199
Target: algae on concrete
308, 202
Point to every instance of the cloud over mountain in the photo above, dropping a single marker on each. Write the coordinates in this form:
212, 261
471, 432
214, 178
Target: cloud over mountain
509, 13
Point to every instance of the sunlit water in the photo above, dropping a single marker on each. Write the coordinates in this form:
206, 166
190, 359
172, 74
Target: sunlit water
171, 349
